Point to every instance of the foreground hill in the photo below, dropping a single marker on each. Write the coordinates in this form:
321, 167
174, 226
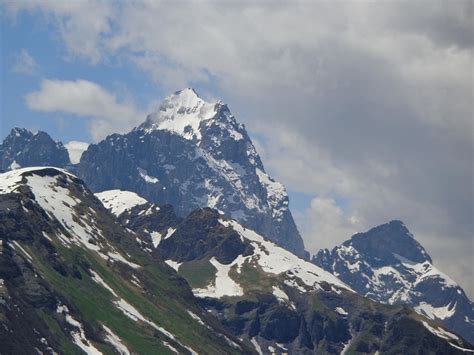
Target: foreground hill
73, 281
266, 295
388, 265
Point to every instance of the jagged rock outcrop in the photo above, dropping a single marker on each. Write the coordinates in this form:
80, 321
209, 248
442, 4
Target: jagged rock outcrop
22, 148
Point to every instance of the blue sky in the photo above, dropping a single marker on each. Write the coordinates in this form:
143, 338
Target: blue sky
29, 33
363, 110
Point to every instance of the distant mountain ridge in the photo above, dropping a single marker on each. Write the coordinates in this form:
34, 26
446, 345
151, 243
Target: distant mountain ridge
388, 265
22, 148
266, 295
193, 154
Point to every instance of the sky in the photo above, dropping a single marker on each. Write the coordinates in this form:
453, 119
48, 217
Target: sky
364, 110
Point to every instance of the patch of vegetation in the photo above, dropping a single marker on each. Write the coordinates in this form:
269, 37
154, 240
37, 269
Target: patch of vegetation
198, 273
253, 279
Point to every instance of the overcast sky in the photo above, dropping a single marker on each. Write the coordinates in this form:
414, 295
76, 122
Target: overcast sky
363, 110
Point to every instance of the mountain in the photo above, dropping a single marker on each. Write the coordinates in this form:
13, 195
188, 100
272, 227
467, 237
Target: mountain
193, 154
388, 265
22, 148
267, 296
72, 280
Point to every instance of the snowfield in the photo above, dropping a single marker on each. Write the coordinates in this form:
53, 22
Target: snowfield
118, 201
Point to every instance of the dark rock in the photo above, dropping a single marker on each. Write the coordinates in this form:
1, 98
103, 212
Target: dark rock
22, 148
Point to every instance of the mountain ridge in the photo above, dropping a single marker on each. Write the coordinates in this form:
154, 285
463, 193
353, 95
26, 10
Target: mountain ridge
388, 265
264, 294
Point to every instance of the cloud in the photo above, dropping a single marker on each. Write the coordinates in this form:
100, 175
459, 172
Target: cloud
80, 24
326, 222
84, 98
370, 101
24, 63
75, 150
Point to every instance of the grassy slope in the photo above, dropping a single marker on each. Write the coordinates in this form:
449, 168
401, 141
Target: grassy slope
161, 303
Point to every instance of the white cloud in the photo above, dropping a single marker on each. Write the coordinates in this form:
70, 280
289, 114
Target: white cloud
80, 24
75, 150
24, 63
327, 223
85, 99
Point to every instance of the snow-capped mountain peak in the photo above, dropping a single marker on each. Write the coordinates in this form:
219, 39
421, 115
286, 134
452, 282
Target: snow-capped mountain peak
192, 153
182, 113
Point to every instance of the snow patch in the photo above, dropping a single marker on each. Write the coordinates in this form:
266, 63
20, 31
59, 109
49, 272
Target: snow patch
223, 285
175, 265
256, 345
276, 193
196, 318
280, 294
115, 341
461, 348
15, 245
100, 281
149, 179
118, 257
169, 233
155, 238
78, 335
439, 332
169, 346
341, 311
431, 312
119, 201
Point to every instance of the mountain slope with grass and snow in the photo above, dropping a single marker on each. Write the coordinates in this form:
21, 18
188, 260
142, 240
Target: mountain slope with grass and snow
72, 280
272, 299
388, 265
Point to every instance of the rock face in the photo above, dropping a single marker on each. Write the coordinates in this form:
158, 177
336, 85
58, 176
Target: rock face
22, 148
271, 299
193, 154
72, 280
388, 265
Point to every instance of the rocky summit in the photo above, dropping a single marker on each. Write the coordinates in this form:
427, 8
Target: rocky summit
388, 265
192, 154
22, 148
